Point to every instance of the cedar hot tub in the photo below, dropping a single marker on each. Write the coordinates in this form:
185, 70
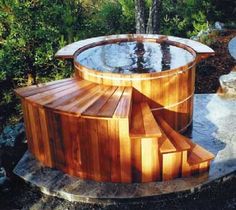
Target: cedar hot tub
161, 71
118, 119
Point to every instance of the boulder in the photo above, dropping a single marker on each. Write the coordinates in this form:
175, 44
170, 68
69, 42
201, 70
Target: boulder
12, 135
3, 176
219, 26
228, 83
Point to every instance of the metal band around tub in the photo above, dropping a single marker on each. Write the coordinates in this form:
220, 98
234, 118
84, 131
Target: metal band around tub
173, 105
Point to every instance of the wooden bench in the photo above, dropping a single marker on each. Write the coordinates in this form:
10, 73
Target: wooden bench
80, 97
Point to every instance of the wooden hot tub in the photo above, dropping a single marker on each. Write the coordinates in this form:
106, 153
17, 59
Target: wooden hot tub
169, 93
118, 119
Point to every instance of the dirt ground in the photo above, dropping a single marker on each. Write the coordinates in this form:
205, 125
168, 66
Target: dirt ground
16, 194
209, 70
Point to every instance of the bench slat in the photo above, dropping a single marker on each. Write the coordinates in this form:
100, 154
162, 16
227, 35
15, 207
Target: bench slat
110, 106
98, 104
35, 89
123, 109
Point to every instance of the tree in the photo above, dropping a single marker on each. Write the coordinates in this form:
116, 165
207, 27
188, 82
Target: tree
152, 23
140, 16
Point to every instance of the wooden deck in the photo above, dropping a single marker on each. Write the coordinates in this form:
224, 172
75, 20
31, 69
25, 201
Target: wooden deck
100, 132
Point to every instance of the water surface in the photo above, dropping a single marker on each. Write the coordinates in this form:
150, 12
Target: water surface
134, 57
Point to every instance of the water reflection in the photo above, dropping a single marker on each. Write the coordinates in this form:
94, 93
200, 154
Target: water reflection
134, 57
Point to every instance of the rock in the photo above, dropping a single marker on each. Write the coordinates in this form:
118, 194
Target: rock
12, 134
232, 47
219, 26
3, 176
195, 38
228, 83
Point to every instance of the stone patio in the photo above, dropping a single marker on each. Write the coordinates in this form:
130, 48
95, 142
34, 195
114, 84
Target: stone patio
214, 126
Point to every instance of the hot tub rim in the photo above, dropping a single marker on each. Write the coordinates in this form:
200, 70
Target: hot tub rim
136, 76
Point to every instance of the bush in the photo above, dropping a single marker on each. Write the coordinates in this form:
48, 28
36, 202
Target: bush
30, 34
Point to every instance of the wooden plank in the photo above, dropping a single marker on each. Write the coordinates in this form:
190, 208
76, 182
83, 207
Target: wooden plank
171, 166
85, 154
125, 150
40, 88
82, 103
203, 167
33, 127
156, 172
94, 140
109, 107
180, 142
51, 95
136, 159
74, 138
68, 143
86, 97
199, 154
150, 162
123, 110
45, 138
113, 135
186, 170
69, 98
165, 145
95, 107
27, 126
137, 126
104, 150
58, 142
150, 126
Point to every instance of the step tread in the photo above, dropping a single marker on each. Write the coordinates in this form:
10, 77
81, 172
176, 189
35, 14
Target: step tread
180, 142
198, 155
143, 124
166, 145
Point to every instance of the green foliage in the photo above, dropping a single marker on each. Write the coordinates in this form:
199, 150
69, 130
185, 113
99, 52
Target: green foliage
112, 17
31, 31
186, 18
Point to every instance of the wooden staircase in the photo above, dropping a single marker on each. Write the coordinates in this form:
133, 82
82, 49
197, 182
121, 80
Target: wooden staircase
97, 132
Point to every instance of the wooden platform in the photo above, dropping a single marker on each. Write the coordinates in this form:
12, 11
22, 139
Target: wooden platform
100, 132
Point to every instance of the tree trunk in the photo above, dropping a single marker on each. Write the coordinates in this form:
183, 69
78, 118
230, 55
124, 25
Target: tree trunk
153, 25
156, 16
140, 16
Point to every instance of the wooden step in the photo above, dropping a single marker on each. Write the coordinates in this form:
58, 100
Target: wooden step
143, 123
199, 155
179, 141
